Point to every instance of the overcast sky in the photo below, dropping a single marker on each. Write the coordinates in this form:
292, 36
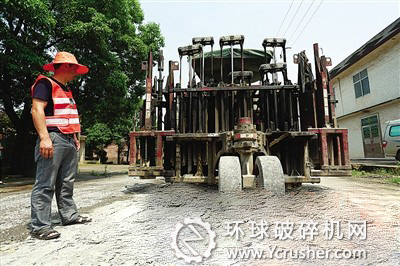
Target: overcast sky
340, 27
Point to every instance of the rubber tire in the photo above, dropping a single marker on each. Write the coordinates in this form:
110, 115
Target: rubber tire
230, 174
398, 155
270, 174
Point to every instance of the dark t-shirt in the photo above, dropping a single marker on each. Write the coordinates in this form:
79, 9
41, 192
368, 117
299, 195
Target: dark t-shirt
43, 91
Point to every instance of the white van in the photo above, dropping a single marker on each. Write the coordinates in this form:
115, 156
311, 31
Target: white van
391, 139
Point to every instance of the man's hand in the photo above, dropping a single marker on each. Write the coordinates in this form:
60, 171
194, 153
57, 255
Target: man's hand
46, 148
77, 143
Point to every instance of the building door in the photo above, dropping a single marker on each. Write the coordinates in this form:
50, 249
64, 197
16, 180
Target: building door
371, 134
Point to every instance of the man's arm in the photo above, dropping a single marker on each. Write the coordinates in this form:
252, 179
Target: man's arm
39, 120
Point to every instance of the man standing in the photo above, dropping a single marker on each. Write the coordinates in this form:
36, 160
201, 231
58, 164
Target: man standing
56, 120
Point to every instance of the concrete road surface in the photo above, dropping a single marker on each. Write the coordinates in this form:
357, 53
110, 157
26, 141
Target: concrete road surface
133, 221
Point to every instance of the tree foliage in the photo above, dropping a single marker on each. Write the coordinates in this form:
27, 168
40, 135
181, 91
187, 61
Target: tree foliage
99, 135
109, 36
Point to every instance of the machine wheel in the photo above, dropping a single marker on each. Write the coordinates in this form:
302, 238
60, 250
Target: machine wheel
230, 174
270, 174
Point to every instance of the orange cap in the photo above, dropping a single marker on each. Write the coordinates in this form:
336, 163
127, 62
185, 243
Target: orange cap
66, 58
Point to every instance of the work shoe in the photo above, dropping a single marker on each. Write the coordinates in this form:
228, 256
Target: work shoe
79, 220
46, 234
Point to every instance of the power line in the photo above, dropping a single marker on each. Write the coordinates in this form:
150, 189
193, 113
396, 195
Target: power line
293, 17
284, 18
307, 22
298, 24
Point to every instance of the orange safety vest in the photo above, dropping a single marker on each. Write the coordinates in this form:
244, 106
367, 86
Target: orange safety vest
65, 116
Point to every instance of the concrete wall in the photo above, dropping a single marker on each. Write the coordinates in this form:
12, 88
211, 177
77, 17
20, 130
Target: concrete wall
385, 112
112, 154
383, 66
82, 150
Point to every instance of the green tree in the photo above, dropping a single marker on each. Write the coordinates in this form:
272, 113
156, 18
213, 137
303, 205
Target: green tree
109, 36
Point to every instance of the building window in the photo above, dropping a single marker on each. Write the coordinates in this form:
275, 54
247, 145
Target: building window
361, 83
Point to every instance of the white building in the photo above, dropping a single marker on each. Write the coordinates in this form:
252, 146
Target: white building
367, 90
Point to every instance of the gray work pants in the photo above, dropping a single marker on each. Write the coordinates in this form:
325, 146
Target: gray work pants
56, 174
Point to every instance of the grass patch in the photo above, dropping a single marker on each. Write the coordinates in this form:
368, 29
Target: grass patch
105, 173
391, 175
358, 173
395, 180
385, 172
